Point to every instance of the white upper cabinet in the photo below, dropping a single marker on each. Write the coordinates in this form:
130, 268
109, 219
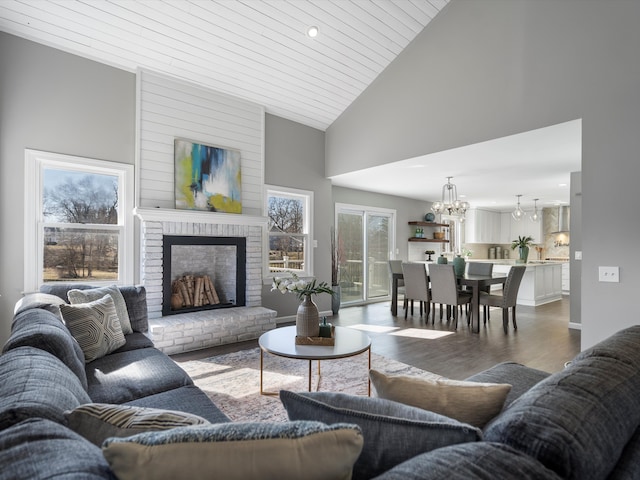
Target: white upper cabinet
482, 226
512, 229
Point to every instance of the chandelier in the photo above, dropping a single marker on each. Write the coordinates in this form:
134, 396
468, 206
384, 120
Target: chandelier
450, 203
518, 213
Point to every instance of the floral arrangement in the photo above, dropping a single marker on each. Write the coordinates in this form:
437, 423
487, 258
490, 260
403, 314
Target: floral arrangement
466, 252
300, 287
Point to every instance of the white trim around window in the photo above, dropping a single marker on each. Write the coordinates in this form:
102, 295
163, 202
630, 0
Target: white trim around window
306, 197
35, 163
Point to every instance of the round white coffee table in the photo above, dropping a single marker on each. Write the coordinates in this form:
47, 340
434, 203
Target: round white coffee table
281, 342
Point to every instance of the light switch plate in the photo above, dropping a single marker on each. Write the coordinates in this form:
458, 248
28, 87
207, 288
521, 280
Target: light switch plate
609, 274
578, 254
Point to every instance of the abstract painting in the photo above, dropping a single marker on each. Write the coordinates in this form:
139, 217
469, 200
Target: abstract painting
207, 178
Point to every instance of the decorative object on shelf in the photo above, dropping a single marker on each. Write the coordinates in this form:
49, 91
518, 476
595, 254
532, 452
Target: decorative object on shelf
523, 244
535, 216
450, 204
518, 213
429, 217
442, 259
438, 235
429, 253
337, 259
466, 253
458, 265
307, 317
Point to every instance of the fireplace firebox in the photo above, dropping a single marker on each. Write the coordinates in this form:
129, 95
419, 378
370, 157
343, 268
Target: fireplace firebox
202, 273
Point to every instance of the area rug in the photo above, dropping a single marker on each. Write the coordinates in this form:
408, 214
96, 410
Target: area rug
232, 381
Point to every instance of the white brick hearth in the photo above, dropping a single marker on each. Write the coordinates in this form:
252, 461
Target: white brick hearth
192, 331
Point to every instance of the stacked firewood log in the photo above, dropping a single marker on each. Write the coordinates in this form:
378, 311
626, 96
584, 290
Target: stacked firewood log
193, 291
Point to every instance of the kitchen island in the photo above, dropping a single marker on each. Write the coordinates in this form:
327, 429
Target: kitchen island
542, 281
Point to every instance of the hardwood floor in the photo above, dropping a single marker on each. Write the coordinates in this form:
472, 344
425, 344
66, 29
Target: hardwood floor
543, 339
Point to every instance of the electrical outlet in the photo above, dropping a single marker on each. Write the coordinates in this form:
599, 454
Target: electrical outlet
609, 274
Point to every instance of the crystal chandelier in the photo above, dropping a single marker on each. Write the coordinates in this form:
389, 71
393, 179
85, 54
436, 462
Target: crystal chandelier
450, 203
535, 216
518, 213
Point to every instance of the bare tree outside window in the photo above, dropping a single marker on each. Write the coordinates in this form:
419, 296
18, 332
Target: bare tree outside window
287, 236
74, 206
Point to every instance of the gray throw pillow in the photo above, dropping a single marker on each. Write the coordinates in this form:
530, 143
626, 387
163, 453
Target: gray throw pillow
237, 451
95, 326
98, 421
392, 432
89, 295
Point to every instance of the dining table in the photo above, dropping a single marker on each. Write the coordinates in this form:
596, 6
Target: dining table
474, 282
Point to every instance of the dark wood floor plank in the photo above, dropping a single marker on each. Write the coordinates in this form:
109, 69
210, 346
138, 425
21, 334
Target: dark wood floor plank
543, 339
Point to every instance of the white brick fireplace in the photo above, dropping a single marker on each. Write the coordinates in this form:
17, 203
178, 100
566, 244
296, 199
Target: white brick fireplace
184, 332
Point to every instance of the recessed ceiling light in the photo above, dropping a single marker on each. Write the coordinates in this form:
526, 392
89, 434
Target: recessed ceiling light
312, 32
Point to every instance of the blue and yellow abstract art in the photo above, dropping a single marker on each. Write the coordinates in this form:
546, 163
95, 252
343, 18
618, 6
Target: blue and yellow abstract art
207, 178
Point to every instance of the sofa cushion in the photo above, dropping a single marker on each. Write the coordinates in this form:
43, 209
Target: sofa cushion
134, 341
478, 461
95, 325
392, 432
98, 421
122, 377
40, 449
469, 402
520, 378
44, 301
188, 399
135, 298
42, 329
89, 295
34, 383
292, 450
578, 421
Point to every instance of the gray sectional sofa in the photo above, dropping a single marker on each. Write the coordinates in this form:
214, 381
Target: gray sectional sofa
43, 374
579, 423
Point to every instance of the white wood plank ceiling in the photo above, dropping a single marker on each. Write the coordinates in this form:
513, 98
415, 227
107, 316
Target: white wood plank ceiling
253, 49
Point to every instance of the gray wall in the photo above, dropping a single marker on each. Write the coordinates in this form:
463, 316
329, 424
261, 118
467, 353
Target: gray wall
56, 102
575, 245
483, 70
294, 157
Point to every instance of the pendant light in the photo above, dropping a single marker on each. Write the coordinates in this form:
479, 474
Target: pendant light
518, 213
535, 216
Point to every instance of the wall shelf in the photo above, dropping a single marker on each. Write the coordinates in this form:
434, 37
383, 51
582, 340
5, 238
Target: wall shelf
429, 224
432, 240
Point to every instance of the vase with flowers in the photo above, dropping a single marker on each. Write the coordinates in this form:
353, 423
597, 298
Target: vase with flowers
307, 317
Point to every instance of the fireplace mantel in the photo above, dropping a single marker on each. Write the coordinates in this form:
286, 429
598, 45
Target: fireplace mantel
194, 216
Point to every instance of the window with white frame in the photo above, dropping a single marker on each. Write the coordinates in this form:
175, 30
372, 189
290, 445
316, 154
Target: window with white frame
78, 220
289, 213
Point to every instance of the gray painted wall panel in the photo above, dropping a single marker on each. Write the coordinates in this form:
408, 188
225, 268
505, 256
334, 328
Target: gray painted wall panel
483, 70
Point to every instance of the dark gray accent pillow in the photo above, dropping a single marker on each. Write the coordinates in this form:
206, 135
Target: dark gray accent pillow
578, 421
136, 299
41, 329
477, 461
392, 432
34, 383
38, 449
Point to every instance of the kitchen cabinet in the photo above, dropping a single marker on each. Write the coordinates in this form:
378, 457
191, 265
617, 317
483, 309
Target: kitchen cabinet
482, 226
512, 229
542, 283
566, 284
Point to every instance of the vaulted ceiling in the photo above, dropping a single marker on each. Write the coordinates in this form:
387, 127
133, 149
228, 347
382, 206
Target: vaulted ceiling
258, 50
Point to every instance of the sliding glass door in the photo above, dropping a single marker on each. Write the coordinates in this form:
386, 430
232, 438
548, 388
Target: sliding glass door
366, 236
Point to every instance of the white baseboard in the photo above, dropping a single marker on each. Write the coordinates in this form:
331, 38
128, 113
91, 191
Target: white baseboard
575, 326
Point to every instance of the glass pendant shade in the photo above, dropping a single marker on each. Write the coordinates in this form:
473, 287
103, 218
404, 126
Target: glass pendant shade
518, 213
535, 216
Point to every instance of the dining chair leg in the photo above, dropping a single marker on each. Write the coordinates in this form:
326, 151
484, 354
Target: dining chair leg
484, 309
513, 316
505, 320
440, 312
